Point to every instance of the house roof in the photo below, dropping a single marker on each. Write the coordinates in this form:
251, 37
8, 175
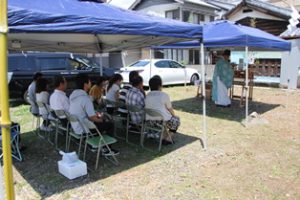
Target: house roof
291, 34
198, 2
265, 7
126, 4
221, 4
131, 4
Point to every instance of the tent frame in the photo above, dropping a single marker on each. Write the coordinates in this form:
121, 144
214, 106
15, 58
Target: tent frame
4, 104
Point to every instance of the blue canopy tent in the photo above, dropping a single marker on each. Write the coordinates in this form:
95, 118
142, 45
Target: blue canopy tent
78, 26
85, 26
229, 34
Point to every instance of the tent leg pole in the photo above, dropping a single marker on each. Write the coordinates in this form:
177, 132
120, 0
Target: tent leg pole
5, 120
150, 75
101, 65
247, 89
204, 129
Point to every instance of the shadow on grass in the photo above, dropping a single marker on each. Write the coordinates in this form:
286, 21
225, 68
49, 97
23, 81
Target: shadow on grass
234, 113
40, 168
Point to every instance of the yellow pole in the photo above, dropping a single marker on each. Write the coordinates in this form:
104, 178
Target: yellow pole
4, 106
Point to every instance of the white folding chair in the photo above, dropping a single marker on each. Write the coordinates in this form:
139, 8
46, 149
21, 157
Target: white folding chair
61, 128
46, 115
139, 127
73, 119
35, 115
158, 126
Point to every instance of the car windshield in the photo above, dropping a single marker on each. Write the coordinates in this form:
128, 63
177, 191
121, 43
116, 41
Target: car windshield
141, 63
87, 62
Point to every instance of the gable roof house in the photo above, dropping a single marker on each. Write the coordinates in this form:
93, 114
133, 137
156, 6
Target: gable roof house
191, 11
262, 15
179, 8
224, 7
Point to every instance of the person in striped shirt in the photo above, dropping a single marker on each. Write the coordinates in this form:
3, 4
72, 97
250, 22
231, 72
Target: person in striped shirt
123, 93
135, 97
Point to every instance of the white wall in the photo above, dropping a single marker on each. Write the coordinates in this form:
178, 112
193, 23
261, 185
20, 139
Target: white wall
255, 14
159, 10
236, 55
290, 65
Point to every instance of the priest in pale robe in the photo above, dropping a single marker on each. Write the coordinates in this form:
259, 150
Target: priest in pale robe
222, 81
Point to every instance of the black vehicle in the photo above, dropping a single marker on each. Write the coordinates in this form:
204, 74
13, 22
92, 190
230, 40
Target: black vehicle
23, 66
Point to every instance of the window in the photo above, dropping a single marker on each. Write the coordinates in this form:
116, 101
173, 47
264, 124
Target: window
87, 61
53, 63
194, 58
187, 17
141, 63
76, 65
174, 54
162, 64
198, 18
212, 18
175, 65
18, 63
173, 14
158, 54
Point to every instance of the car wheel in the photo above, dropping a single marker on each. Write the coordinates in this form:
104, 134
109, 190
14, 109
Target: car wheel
194, 78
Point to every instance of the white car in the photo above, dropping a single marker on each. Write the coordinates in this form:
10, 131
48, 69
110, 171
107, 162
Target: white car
170, 71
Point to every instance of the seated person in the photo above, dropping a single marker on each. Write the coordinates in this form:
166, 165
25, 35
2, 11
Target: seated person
113, 92
42, 95
160, 101
122, 110
136, 97
31, 93
98, 90
58, 99
82, 107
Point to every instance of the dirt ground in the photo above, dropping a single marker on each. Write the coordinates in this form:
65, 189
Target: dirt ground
260, 161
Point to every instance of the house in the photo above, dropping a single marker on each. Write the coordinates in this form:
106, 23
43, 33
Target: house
290, 71
267, 17
191, 11
261, 15
223, 5
286, 3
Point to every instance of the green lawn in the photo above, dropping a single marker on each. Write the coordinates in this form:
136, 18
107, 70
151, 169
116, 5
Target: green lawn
257, 162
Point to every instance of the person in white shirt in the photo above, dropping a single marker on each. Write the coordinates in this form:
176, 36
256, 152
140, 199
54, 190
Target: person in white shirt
59, 99
42, 95
113, 92
160, 101
82, 107
31, 93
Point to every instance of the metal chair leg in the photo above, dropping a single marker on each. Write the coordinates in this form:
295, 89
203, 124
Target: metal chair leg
56, 135
69, 141
160, 139
79, 148
84, 152
97, 160
67, 135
